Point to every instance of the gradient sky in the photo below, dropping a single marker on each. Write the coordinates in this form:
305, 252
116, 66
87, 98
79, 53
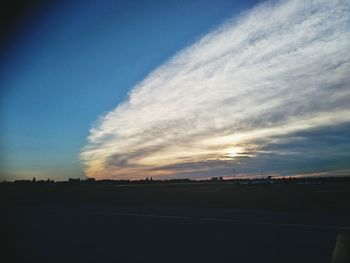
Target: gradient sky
129, 89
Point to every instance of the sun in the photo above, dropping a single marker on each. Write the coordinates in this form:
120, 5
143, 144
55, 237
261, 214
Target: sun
233, 151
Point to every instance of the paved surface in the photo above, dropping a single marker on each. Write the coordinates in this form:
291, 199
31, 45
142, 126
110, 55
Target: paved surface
134, 234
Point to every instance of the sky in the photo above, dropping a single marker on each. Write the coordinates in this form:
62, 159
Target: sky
176, 89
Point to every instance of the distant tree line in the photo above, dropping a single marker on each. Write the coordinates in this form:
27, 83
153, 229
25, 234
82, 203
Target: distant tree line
239, 181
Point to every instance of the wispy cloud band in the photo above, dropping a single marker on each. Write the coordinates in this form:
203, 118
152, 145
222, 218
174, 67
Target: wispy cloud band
279, 69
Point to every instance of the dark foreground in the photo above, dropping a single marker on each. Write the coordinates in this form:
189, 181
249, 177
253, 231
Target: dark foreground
212, 222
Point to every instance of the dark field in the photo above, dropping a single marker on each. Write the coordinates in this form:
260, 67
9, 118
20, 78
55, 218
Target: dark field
194, 222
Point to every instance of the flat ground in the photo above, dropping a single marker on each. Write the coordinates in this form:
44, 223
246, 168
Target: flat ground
202, 222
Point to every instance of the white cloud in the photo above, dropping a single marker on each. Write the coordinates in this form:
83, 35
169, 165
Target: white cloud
280, 68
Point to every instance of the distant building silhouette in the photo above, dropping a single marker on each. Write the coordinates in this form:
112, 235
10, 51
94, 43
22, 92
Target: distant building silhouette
90, 179
267, 180
74, 180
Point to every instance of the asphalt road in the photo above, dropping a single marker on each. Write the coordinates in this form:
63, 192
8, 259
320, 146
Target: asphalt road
109, 233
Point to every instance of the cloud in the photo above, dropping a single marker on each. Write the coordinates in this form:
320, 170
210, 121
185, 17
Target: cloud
279, 69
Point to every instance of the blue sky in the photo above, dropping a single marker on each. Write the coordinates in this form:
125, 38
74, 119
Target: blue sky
125, 89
